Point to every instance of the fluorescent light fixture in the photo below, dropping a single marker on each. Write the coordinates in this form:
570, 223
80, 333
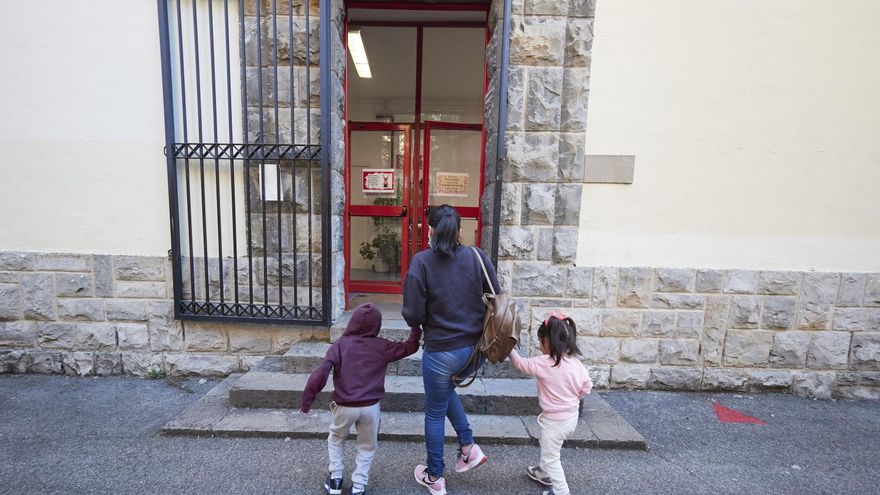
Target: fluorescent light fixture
359, 54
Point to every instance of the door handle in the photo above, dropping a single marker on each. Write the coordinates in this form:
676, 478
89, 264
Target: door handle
403, 212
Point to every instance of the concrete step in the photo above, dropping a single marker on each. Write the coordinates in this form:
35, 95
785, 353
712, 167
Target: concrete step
274, 389
304, 357
214, 415
392, 329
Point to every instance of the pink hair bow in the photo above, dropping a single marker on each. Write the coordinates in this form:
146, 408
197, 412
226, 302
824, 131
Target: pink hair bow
553, 314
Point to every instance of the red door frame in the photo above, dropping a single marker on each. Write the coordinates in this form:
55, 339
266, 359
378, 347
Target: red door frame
383, 211
416, 125
464, 211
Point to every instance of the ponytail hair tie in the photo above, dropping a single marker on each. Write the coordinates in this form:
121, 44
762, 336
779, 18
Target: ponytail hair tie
553, 314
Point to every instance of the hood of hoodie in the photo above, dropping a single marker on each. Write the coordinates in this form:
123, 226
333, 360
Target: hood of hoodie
366, 321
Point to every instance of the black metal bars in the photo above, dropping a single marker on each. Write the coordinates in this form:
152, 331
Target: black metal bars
261, 208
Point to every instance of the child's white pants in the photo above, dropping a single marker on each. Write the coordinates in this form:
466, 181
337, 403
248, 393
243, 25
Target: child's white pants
553, 433
366, 421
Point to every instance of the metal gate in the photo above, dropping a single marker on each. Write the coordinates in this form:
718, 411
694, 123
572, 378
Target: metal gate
246, 133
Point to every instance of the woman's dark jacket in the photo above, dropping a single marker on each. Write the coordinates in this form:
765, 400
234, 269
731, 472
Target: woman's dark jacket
443, 295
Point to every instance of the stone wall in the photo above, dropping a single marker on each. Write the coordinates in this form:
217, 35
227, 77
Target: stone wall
543, 170
814, 334
295, 116
87, 315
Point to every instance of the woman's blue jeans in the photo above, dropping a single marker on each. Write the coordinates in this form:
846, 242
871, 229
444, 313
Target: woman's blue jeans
441, 402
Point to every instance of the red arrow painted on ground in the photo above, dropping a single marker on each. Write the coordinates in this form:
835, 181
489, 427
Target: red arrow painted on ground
728, 415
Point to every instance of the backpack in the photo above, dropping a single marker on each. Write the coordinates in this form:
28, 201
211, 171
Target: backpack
501, 329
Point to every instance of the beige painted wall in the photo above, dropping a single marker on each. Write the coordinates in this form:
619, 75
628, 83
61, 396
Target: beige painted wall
756, 131
82, 127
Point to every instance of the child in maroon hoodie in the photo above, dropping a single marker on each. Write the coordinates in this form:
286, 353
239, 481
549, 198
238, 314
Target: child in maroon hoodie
358, 360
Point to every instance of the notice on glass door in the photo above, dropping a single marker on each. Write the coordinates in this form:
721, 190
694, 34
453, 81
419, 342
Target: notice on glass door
451, 184
378, 181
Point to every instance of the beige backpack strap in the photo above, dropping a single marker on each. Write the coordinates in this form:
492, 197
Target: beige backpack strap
474, 359
485, 273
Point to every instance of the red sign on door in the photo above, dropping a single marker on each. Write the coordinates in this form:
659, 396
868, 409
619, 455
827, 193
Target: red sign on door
378, 181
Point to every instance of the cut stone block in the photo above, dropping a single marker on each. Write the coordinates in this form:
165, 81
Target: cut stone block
680, 352
678, 301
829, 350
675, 378
201, 364
745, 312
865, 352
598, 350
18, 334
725, 379
852, 289
789, 349
658, 323
38, 296
709, 281
674, 279
778, 312
634, 287
779, 283
56, 335
639, 350
770, 380
740, 282
621, 324
744, 348
817, 301
630, 376
813, 384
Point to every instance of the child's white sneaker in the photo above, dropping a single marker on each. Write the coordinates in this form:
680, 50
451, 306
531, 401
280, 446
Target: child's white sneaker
333, 486
539, 475
475, 457
436, 487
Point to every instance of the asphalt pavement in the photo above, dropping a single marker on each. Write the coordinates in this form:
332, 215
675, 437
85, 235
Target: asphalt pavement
61, 435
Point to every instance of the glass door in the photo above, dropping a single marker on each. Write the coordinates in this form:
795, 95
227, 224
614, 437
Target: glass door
453, 174
378, 215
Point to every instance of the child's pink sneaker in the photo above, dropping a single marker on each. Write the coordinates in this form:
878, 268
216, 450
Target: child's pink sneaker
436, 487
475, 457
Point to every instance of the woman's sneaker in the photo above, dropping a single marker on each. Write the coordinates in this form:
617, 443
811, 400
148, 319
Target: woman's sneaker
436, 487
538, 474
475, 457
333, 486
358, 491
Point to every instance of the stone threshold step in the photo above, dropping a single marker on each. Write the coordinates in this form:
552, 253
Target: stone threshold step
213, 415
304, 357
392, 329
502, 396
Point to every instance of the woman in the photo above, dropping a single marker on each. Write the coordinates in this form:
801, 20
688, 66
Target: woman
443, 293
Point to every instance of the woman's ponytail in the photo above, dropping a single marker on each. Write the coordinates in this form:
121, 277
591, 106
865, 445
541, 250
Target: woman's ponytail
446, 223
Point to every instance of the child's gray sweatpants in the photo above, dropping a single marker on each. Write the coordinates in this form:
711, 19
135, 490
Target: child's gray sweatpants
366, 421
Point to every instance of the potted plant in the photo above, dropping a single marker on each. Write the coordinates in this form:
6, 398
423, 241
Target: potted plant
384, 249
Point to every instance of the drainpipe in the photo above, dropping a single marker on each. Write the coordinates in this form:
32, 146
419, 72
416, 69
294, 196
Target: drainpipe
502, 125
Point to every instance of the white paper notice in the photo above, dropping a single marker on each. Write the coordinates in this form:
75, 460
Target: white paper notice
451, 184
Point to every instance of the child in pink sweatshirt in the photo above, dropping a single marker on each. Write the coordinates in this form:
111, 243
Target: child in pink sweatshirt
562, 382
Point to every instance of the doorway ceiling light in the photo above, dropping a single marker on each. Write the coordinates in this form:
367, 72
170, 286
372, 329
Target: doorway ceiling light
359, 54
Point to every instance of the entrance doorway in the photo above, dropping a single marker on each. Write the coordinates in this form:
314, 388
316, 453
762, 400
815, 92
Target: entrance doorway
415, 85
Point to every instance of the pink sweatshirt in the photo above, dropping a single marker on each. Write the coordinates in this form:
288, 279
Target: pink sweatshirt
560, 388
